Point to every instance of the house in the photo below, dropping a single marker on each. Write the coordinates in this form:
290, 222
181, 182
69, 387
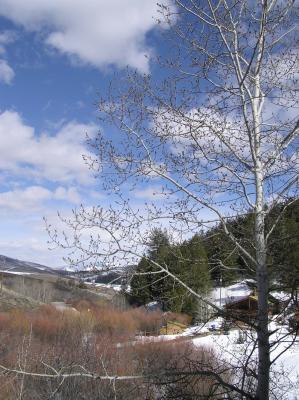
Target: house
247, 304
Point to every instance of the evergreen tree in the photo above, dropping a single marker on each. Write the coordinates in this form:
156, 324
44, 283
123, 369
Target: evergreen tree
187, 261
224, 260
211, 256
284, 247
145, 286
191, 265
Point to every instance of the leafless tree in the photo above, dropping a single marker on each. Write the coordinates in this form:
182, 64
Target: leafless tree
214, 133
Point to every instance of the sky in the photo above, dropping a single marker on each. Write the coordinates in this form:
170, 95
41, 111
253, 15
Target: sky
55, 57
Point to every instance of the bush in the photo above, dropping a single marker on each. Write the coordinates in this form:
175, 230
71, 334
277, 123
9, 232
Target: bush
19, 322
178, 317
180, 370
99, 341
148, 322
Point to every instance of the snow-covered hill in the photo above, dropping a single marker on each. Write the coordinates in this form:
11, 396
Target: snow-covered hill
14, 266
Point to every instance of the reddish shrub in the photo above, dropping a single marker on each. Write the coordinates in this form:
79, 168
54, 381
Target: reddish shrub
148, 322
178, 317
46, 329
19, 322
4, 321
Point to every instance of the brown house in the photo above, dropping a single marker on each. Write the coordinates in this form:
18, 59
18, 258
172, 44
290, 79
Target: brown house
246, 304
244, 309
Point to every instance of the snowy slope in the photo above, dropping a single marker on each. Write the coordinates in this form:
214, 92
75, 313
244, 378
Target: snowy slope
12, 265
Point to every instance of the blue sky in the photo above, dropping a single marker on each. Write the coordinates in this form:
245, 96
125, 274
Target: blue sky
55, 56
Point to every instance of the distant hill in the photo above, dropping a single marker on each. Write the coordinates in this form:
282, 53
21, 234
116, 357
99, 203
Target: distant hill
26, 285
12, 265
106, 277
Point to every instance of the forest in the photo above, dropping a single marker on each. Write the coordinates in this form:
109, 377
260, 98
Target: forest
208, 259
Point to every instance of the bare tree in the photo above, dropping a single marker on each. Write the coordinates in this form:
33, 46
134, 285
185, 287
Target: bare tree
214, 133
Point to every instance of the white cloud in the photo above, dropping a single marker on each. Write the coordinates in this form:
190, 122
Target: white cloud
18, 200
69, 194
6, 37
33, 197
6, 72
150, 193
23, 233
31, 249
56, 158
97, 32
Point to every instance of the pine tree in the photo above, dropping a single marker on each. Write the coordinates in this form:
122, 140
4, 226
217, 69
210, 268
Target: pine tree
188, 261
146, 287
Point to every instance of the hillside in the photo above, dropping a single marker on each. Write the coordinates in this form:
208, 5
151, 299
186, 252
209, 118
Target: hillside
10, 299
27, 285
13, 265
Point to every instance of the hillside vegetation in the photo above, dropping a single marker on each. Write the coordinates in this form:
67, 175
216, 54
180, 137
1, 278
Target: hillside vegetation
28, 291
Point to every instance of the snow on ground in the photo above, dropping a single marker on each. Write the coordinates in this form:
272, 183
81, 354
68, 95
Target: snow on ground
151, 339
213, 325
216, 341
196, 330
288, 363
281, 296
17, 272
117, 288
285, 369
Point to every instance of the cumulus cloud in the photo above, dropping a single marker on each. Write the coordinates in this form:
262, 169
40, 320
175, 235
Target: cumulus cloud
69, 194
34, 197
20, 200
150, 193
57, 158
6, 37
40, 173
97, 32
6, 72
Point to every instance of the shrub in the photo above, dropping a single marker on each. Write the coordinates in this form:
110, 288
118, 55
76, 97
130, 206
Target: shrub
180, 370
99, 341
178, 317
19, 322
114, 321
148, 322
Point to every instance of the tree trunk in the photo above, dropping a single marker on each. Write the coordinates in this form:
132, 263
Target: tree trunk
263, 380
262, 392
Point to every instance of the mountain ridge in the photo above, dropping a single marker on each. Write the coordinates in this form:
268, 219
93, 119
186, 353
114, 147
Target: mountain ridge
14, 265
